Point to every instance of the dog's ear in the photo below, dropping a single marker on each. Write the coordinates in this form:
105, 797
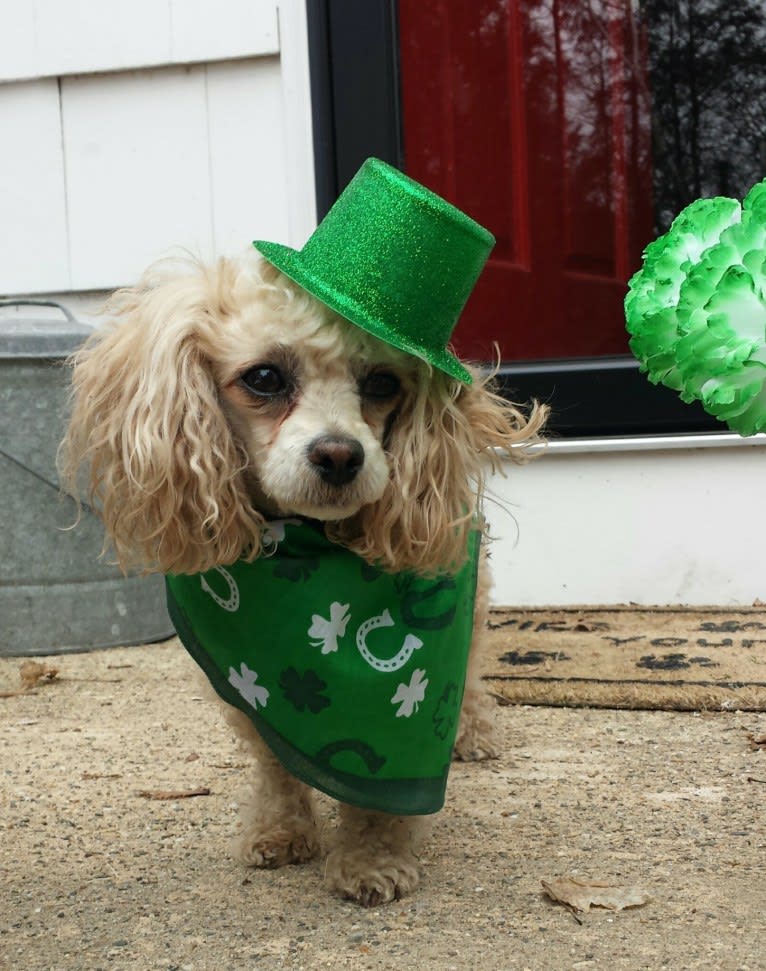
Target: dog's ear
444, 441
163, 470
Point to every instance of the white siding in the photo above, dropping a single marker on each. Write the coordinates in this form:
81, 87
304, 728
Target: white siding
248, 158
104, 169
136, 170
34, 245
44, 38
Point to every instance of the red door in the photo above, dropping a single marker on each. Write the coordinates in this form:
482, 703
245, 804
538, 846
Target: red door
533, 117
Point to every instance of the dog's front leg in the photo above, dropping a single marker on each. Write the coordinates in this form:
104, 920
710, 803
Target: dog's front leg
477, 734
375, 856
477, 738
278, 824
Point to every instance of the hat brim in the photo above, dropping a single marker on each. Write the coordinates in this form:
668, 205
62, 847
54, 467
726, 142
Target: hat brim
289, 262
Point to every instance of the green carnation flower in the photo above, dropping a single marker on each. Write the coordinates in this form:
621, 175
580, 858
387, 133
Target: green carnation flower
654, 291
696, 311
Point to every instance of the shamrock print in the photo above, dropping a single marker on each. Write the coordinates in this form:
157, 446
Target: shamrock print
296, 569
304, 690
274, 531
447, 711
328, 631
245, 683
409, 696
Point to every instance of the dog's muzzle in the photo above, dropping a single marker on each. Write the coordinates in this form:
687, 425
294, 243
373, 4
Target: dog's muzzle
337, 459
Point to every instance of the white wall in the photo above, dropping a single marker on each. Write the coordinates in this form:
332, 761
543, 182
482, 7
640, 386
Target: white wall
641, 521
130, 129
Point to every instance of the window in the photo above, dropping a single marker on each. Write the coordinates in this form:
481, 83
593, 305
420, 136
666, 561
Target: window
574, 132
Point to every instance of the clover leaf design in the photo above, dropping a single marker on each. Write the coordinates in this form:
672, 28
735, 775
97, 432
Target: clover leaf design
297, 569
447, 711
304, 690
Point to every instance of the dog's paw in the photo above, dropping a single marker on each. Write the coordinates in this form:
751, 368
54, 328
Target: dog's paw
476, 742
477, 736
371, 882
277, 845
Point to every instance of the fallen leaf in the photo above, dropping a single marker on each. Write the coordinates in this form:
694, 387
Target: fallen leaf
169, 794
583, 894
33, 673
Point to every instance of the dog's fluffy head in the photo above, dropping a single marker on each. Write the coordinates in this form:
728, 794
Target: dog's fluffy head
218, 397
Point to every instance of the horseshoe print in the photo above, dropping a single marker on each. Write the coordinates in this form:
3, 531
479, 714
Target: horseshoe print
366, 753
232, 604
411, 644
412, 598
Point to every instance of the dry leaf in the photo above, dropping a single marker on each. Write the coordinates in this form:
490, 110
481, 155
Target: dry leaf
33, 673
583, 894
165, 794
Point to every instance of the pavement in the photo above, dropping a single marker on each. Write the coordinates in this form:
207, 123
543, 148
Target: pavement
98, 872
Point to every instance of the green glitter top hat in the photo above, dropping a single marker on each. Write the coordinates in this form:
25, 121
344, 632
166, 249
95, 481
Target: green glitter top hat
395, 259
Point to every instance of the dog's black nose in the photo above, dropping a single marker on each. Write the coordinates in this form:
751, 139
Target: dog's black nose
337, 458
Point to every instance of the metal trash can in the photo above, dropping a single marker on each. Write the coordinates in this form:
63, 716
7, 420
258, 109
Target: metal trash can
56, 595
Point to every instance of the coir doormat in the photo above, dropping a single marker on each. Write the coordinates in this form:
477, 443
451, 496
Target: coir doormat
666, 658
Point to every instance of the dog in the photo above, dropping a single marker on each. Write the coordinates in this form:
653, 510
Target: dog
217, 399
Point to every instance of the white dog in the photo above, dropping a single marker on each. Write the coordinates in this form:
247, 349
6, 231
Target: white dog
219, 399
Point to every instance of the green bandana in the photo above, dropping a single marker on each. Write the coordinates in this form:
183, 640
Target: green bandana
354, 677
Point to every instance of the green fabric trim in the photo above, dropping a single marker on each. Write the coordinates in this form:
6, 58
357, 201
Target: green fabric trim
353, 677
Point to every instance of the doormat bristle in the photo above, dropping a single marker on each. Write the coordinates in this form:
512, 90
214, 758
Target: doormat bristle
640, 658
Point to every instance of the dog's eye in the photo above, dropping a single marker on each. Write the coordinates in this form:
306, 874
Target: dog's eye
380, 385
264, 380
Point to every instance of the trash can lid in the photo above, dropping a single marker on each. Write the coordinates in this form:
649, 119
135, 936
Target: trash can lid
39, 337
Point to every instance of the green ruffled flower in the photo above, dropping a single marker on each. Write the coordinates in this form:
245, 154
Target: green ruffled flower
696, 311
650, 306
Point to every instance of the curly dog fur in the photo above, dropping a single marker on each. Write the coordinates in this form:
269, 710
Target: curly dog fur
216, 398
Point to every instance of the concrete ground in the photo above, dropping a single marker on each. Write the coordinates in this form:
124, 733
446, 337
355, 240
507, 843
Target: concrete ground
95, 875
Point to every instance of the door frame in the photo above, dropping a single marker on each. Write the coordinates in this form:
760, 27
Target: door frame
354, 69
354, 66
